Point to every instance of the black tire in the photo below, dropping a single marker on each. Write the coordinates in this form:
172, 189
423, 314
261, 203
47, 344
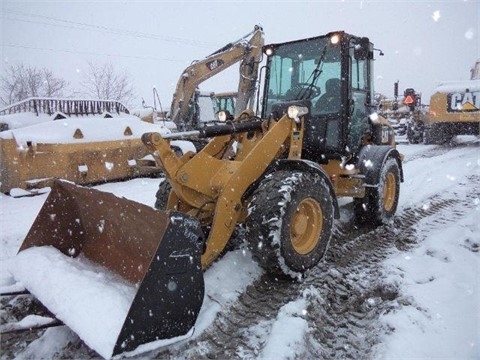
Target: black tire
380, 203
436, 135
427, 138
415, 130
162, 195
430, 137
178, 151
289, 223
199, 144
414, 136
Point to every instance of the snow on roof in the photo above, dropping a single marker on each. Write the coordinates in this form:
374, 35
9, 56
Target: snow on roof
142, 112
92, 129
18, 120
454, 86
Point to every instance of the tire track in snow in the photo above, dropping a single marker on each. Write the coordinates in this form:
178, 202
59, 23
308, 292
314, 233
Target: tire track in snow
342, 315
349, 292
438, 150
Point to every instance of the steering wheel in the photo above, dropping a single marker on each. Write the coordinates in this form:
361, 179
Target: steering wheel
307, 91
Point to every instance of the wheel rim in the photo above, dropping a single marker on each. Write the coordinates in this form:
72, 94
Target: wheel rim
389, 191
306, 226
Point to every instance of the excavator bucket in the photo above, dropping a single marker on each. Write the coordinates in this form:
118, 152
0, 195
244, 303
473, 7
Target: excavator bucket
118, 273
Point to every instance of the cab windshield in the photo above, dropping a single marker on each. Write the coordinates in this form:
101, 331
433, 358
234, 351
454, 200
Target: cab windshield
305, 70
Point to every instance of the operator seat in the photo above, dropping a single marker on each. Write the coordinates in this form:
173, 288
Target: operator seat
330, 101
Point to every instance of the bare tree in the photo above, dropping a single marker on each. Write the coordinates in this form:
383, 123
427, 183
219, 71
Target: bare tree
104, 82
52, 86
20, 82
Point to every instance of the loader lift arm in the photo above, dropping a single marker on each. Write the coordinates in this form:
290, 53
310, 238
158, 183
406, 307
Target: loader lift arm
216, 197
249, 52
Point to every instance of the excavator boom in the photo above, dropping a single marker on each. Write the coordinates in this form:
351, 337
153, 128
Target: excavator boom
249, 52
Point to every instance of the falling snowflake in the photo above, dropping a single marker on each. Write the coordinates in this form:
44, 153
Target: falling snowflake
101, 225
109, 165
469, 34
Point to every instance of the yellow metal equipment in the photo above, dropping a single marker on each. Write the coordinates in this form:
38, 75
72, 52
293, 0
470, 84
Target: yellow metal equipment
278, 172
454, 110
246, 51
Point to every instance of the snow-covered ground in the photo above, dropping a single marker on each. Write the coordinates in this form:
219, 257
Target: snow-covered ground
439, 275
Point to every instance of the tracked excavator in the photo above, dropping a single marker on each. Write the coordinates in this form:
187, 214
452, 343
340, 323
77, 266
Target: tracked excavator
247, 51
278, 173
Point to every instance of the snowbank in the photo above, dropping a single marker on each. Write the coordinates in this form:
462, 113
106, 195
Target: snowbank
288, 332
15, 121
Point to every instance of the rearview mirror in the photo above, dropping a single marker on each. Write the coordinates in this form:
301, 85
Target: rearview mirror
362, 49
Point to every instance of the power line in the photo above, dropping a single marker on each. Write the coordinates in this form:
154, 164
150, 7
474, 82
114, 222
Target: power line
90, 53
99, 28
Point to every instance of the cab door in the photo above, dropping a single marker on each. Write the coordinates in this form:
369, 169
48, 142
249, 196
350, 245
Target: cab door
359, 93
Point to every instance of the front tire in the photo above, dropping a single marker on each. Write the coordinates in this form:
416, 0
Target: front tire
289, 223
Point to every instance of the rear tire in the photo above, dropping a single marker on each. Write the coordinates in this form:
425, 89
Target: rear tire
289, 223
178, 151
436, 135
431, 137
414, 136
162, 195
380, 203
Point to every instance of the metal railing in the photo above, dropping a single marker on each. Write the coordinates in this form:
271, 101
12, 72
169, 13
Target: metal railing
67, 106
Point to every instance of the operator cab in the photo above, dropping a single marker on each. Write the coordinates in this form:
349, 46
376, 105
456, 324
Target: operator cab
330, 75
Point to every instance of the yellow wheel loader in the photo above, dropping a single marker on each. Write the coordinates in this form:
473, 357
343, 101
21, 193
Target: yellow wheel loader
279, 173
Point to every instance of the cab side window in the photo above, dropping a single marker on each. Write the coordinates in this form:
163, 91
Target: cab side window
358, 92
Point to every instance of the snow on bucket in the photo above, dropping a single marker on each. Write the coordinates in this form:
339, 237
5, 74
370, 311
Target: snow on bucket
118, 273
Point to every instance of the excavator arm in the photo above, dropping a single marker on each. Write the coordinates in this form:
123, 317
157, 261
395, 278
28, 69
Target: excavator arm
249, 52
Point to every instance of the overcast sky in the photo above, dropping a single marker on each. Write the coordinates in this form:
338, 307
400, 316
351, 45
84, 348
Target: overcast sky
425, 42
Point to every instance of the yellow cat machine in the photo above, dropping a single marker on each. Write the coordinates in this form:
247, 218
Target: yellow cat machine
191, 108
247, 51
454, 110
279, 173
84, 141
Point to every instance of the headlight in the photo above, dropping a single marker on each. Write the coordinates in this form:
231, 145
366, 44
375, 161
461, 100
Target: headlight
294, 112
335, 39
268, 50
222, 116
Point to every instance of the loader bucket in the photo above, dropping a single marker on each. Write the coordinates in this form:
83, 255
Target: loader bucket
118, 273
